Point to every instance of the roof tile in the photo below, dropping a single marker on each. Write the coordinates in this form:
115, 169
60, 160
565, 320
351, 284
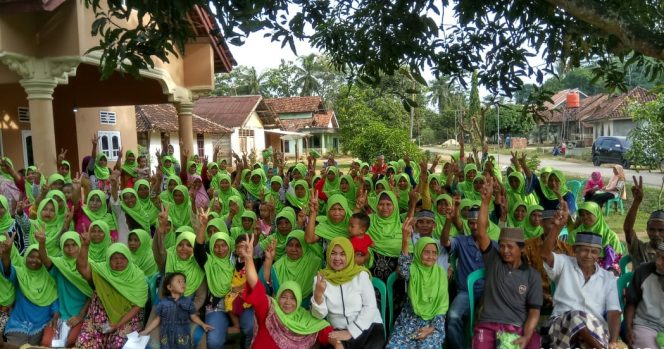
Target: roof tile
232, 111
307, 104
164, 118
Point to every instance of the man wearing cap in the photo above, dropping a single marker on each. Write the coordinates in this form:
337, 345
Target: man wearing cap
533, 255
644, 313
641, 251
469, 259
513, 293
584, 291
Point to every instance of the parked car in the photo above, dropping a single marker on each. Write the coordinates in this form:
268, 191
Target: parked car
612, 150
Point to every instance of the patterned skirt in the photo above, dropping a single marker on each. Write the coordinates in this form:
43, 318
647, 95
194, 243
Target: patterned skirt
563, 329
92, 334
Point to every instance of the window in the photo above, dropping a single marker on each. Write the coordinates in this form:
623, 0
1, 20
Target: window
107, 117
200, 142
109, 144
246, 133
315, 141
23, 114
286, 146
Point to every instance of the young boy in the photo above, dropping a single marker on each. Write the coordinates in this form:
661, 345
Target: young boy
361, 241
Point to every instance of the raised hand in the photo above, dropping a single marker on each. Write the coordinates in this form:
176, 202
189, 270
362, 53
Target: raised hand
163, 217
40, 235
407, 228
271, 250
85, 238
637, 189
6, 246
321, 284
95, 139
62, 155
202, 215
313, 201
361, 198
115, 175
487, 190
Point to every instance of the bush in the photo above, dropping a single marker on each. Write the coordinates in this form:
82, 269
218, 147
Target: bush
378, 139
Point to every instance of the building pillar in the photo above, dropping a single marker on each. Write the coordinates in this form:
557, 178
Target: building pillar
185, 130
40, 102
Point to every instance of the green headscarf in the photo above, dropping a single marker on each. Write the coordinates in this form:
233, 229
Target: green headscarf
37, 285
7, 290
67, 265
427, 287
97, 251
300, 203
225, 195
54, 178
219, 271
299, 321
143, 257
52, 228
275, 196
511, 220
237, 219
255, 188
466, 185
217, 223
403, 194
440, 219
332, 187
29, 185
386, 232
130, 169
529, 230
6, 221
301, 270
170, 170
548, 193
130, 282
518, 194
289, 214
67, 177
340, 277
6, 174
351, 194
141, 217
190, 268
328, 230
181, 213
102, 212
301, 169
165, 195
239, 230
149, 210
600, 227
101, 173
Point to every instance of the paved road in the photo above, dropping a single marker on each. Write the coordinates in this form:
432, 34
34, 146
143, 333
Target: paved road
579, 169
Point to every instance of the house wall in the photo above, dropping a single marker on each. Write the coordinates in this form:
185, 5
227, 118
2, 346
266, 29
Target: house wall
622, 127
12, 97
294, 144
88, 123
155, 144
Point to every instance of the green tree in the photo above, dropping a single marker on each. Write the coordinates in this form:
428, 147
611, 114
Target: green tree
474, 104
241, 81
307, 76
647, 141
377, 138
280, 81
511, 121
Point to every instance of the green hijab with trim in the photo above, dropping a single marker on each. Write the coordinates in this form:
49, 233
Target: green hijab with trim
219, 271
328, 230
143, 257
189, 267
427, 287
130, 169
130, 282
340, 277
67, 265
101, 172
609, 237
38, 286
97, 251
52, 228
301, 270
531, 231
136, 213
299, 321
386, 232
102, 212
146, 205
181, 213
292, 198
332, 187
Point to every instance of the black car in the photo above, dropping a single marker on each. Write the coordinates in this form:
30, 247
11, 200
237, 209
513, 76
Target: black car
611, 149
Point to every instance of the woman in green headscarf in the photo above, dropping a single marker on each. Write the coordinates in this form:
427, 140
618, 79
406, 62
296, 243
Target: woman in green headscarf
591, 219
300, 264
443, 204
145, 204
96, 209
180, 211
279, 322
236, 209
545, 193
332, 181
533, 226
385, 231
348, 189
286, 221
247, 226
469, 173
36, 296
255, 185
32, 182
180, 258
404, 188
47, 219
120, 293
518, 215
167, 167
135, 217
225, 189
73, 291
516, 190
299, 171
275, 193
55, 182
298, 194
64, 169
171, 182
364, 324
140, 245
216, 225
129, 169
421, 323
100, 240
333, 224
7, 290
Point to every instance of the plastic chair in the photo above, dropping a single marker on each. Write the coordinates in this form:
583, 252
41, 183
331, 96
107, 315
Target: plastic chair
390, 299
382, 289
626, 259
618, 201
623, 282
472, 279
575, 187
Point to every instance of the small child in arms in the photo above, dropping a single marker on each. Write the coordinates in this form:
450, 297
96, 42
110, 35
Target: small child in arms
174, 315
361, 241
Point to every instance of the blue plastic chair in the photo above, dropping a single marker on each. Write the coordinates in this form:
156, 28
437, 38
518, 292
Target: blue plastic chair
390, 299
624, 261
382, 289
575, 187
618, 201
472, 279
623, 282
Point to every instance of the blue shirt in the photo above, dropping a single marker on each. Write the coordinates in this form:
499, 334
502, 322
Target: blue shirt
534, 185
469, 259
71, 299
26, 317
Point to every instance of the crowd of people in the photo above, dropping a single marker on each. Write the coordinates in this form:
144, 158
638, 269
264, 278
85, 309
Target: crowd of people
286, 255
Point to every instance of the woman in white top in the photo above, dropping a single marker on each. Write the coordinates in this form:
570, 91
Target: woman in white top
344, 296
615, 188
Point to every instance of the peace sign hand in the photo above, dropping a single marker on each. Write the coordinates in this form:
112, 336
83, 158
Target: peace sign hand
40, 235
637, 189
313, 201
203, 216
321, 284
407, 228
163, 216
6, 246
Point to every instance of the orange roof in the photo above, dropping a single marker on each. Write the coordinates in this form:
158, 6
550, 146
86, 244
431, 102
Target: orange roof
164, 118
308, 104
233, 111
616, 106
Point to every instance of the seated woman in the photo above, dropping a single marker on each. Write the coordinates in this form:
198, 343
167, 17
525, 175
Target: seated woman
73, 291
593, 184
140, 245
585, 293
118, 300
552, 181
95, 209
517, 217
47, 218
421, 323
286, 222
344, 296
280, 321
513, 291
300, 264
333, 224
36, 296
615, 188
644, 313
591, 219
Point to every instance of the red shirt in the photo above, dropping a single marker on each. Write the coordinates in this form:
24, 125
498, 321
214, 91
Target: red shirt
361, 243
261, 304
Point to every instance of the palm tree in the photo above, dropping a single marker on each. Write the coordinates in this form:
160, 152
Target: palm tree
439, 93
307, 75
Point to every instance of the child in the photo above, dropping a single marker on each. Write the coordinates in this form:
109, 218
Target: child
266, 220
143, 170
174, 313
233, 302
361, 241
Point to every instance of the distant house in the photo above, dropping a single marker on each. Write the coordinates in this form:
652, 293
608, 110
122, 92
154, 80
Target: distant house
157, 124
597, 115
306, 115
249, 119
